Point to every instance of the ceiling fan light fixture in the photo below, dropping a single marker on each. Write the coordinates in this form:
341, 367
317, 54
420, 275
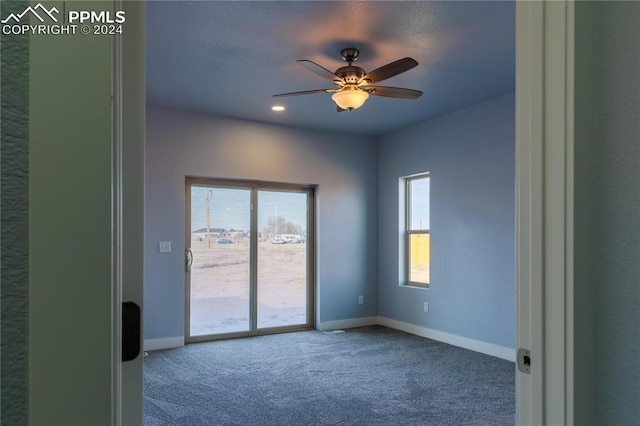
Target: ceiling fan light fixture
350, 98
354, 84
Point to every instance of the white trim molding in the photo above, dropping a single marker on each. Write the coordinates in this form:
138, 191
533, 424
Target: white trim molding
491, 349
163, 343
452, 339
554, 211
347, 323
129, 111
116, 232
530, 31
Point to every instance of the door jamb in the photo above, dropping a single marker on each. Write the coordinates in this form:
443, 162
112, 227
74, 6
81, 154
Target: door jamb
128, 144
535, 79
545, 152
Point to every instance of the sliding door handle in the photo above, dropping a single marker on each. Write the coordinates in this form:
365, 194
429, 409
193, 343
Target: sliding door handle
188, 261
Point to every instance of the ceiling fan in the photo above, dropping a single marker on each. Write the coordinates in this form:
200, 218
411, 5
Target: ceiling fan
354, 85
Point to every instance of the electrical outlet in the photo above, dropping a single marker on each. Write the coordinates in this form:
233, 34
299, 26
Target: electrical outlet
426, 306
360, 300
164, 247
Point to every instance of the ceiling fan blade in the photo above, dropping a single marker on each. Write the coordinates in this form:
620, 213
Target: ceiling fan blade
390, 70
393, 92
305, 92
318, 70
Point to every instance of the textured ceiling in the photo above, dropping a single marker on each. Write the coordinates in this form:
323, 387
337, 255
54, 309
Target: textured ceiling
228, 58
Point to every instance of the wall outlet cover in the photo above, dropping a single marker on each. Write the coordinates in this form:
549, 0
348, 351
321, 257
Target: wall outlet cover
164, 246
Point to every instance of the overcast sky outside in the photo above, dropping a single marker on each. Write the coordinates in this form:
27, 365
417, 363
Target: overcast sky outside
229, 208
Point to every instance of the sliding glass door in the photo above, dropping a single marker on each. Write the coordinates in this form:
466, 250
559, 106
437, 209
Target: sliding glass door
282, 258
249, 258
221, 254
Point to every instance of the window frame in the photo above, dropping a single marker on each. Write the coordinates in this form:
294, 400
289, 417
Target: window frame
408, 232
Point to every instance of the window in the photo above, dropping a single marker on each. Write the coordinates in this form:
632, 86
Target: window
417, 238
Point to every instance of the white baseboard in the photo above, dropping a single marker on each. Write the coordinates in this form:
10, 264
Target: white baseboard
163, 343
347, 323
452, 339
464, 342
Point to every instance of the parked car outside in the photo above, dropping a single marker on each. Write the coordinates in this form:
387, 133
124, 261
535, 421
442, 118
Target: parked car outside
224, 241
288, 239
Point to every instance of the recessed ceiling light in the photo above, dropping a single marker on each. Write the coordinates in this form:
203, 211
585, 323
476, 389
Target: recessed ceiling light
278, 108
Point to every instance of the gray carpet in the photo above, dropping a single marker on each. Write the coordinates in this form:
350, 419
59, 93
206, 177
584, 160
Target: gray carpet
366, 376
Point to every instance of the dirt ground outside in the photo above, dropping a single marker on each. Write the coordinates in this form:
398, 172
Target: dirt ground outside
220, 286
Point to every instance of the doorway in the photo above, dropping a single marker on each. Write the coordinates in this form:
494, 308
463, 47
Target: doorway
532, 174
249, 258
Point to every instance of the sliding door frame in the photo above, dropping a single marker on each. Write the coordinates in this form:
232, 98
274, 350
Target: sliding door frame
255, 186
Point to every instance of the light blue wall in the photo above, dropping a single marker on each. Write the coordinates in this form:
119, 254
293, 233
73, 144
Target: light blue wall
343, 167
617, 213
471, 157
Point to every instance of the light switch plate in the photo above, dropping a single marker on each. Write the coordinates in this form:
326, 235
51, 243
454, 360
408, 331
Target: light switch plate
165, 246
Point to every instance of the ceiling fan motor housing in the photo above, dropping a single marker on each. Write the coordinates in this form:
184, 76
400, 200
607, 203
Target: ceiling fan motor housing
350, 73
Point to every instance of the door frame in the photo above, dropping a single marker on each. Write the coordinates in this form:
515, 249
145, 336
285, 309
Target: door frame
550, 165
127, 174
545, 38
255, 186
